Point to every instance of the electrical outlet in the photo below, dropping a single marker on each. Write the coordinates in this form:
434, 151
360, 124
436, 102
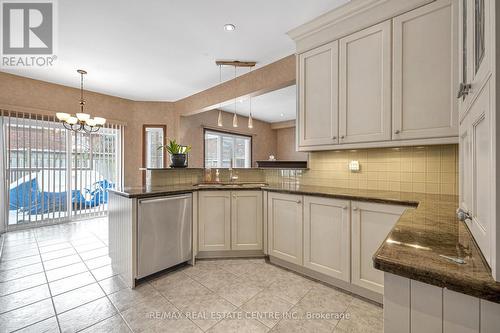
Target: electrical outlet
354, 166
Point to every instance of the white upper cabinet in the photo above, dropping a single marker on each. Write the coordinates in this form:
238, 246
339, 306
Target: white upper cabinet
246, 220
365, 85
326, 236
285, 227
475, 49
318, 96
386, 83
425, 72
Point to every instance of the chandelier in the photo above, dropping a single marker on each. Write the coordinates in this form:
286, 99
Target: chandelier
81, 122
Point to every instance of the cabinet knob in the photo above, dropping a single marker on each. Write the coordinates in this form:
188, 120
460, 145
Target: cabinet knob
334, 138
397, 131
299, 201
342, 137
463, 90
345, 207
354, 208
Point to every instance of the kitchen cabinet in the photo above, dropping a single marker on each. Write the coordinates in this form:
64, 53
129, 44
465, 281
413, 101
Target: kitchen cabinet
476, 49
327, 236
478, 168
371, 223
425, 72
285, 227
318, 101
246, 220
365, 85
214, 220
386, 84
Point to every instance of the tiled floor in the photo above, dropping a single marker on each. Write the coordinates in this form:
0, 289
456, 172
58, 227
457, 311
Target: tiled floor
59, 279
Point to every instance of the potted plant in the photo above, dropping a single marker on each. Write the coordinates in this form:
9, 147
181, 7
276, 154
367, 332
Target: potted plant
177, 153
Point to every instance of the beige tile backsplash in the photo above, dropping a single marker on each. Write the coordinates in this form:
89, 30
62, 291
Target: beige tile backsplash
426, 169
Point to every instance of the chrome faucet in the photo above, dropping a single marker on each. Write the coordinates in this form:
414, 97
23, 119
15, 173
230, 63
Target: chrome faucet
232, 177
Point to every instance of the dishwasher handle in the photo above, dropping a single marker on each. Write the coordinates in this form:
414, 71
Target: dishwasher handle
163, 199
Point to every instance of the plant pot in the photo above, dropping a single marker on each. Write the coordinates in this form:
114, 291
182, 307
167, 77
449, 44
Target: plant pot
178, 160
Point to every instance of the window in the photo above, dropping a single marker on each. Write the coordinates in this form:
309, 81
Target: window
154, 137
222, 149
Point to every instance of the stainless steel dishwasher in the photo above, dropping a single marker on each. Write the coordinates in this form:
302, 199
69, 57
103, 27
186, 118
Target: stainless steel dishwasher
163, 233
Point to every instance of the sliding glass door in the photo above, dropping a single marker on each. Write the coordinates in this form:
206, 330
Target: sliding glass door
54, 175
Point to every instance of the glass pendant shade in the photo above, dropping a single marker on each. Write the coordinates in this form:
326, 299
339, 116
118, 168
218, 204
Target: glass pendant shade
63, 116
219, 119
250, 121
83, 116
72, 120
235, 120
100, 121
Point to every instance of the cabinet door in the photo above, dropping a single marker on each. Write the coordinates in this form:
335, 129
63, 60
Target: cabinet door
425, 72
481, 136
214, 220
246, 220
476, 47
318, 96
371, 223
327, 236
285, 227
365, 85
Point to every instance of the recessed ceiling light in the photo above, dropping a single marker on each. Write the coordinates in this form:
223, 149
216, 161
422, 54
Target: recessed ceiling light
229, 27
282, 114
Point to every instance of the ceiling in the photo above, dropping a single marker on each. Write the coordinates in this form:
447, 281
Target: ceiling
165, 50
276, 106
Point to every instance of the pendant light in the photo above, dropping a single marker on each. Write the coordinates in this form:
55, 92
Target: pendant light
235, 117
250, 120
219, 116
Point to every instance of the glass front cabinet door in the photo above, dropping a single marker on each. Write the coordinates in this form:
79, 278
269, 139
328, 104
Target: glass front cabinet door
475, 50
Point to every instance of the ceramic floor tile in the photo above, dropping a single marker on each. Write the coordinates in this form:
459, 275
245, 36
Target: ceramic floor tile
114, 324
103, 251
362, 316
98, 262
11, 255
23, 298
103, 272
86, 315
200, 267
179, 284
45, 326
112, 284
11, 264
77, 297
237, 325
70, 283
25, 316
269, 308
26, 282
62, 272
203, 310
290, 325
238, 267
88, 247
61, 262
20, 272
238, 292
215, 279
291, 289
54, 247
126, 298
58, 254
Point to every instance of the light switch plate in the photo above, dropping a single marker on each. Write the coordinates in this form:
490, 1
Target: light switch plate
354, 166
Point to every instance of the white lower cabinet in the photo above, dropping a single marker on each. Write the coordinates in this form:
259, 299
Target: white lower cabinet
371, 223
285, 227
327, 236
246, 220
230, 220
214, 220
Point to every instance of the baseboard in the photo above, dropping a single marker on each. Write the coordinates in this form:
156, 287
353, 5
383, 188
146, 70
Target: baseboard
230, 254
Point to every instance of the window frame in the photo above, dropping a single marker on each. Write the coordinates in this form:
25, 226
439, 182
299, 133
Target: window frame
249, 136
144, 139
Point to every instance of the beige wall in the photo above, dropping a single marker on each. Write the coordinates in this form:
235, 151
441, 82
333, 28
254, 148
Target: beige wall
427, 169
23, 94
285, 146
191, 133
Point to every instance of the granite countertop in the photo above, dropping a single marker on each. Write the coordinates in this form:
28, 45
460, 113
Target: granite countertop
417, 246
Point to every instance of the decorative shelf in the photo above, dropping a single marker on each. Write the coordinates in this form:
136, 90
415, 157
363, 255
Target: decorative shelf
302, 165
